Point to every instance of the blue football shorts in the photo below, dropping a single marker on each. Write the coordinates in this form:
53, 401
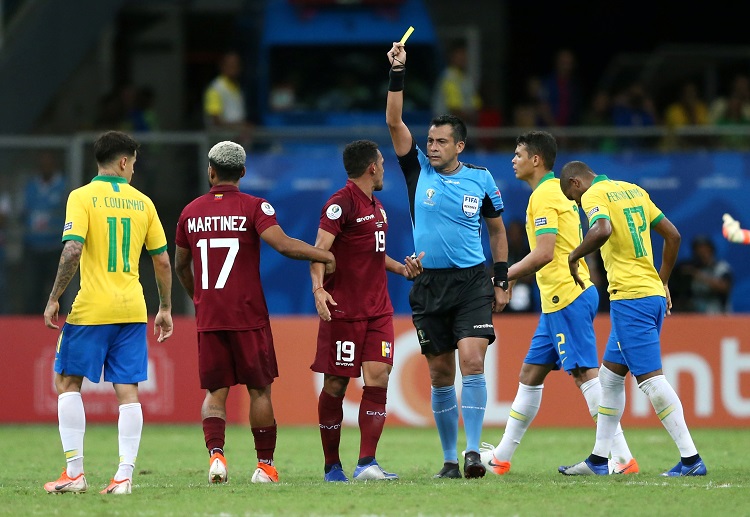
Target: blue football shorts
120, 349
566, 337
634, 338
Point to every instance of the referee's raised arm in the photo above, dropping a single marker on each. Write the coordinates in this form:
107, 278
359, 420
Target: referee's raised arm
400, 134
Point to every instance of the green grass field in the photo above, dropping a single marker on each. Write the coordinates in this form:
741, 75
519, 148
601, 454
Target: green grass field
172, 470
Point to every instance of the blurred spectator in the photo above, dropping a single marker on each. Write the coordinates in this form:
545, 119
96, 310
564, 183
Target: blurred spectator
5, 211
561, 90
689, 109
523, 299
109, 112
43, 213
708, 280
599, 114
138, 109
490, 116
633, 108
223, 100
739, 93
533, 111
734, 114
348, 94
283, 94
455, 92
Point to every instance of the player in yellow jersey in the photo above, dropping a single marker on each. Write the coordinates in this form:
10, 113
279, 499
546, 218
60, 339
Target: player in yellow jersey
565, 335
621, 216
107, 224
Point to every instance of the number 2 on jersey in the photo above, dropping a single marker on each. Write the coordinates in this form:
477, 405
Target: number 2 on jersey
234, 247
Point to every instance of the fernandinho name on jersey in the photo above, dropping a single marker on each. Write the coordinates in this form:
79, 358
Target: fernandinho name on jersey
619, 195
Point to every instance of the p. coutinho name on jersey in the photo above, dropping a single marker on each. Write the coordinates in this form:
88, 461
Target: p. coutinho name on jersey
119, 202
217, 223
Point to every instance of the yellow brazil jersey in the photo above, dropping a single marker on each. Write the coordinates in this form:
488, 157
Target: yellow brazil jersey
549, 211
627, 255
113, 221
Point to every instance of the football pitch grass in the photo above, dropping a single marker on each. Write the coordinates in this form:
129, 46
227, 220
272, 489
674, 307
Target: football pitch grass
171, 476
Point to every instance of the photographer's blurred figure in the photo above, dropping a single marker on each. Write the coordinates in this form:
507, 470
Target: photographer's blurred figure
224, 101
709, 279
43, 212
455, 93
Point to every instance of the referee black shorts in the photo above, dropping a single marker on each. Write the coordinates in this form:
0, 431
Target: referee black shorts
451, 304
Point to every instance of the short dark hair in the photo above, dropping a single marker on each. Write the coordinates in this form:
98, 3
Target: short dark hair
358, 155
113, 144
540, 143
458, 128
702, 240
575, 169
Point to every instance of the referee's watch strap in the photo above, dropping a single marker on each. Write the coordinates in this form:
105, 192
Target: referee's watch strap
502, 284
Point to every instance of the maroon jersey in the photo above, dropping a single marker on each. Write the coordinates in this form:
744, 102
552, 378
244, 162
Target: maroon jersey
359, 284
222, 230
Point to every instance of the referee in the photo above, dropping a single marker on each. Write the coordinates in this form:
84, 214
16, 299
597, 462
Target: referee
453, 300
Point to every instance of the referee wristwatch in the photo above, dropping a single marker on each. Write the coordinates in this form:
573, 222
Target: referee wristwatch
502, 284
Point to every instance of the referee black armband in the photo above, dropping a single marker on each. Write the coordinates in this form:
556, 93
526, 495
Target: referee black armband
501, 272
396, 82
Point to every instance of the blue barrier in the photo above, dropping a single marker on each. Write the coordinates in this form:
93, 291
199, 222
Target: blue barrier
693, 189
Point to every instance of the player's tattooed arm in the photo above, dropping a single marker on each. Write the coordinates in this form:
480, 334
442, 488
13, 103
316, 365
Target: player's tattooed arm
66, 268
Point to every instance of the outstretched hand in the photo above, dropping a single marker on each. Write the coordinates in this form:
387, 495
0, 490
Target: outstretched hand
397, 55
322, 299
413, 266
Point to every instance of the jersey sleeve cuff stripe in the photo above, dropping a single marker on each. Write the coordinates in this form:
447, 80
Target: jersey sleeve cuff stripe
158, 250
76, 238
546, 230
656, 221
596, 218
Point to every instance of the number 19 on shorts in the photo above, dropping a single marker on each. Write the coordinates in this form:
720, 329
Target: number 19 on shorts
344, 352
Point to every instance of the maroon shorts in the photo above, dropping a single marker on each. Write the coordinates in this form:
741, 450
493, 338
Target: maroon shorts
344, 345
229, 357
